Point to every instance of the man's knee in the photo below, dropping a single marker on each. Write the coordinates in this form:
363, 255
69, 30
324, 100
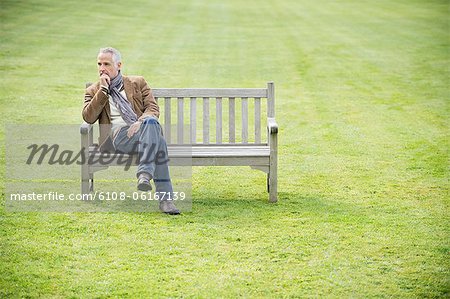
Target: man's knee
150, 121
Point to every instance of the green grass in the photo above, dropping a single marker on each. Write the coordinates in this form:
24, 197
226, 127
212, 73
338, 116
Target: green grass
362, 105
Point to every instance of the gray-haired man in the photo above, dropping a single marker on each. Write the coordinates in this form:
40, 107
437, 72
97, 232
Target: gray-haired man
128, 116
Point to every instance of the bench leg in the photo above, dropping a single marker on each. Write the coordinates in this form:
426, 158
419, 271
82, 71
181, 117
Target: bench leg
86, 140
85, 179
87, 182
273, 167
272, 186
91, 182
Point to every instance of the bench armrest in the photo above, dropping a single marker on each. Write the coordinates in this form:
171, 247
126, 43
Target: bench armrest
87, 135
85, 128
272, 126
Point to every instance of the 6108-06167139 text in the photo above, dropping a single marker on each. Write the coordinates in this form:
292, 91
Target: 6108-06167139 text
101, 196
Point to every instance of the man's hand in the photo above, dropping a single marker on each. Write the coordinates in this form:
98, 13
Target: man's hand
133, 128
105, 80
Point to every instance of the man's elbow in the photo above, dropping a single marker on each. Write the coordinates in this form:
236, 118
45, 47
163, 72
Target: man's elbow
88, 118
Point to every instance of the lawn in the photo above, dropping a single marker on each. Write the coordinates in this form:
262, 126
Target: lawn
363, 109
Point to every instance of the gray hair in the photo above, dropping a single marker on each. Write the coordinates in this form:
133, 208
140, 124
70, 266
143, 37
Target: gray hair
115, 54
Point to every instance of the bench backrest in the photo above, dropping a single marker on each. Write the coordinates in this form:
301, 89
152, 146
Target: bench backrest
193, 112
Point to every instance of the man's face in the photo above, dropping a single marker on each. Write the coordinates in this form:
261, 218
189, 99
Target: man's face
107, 66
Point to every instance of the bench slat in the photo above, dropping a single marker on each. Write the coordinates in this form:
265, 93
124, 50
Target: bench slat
244, 114
180, 121
193, 120
210, 92
257, 120
205, 120
218, 120
207, 151
167, 120
231, 120
219, 151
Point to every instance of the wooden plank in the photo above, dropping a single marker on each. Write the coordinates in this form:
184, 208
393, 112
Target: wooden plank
167, 119
206, 151
273, 167
213, 150
180, 120
85, 175
218, 120
259, 161
193, 120
257, 120
270, 100
221, 161
223, 145
231, 120
205, 120
210, 92
244, 115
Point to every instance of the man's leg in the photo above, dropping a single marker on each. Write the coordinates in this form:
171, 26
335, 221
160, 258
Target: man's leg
153, 155
154, 160
151, 146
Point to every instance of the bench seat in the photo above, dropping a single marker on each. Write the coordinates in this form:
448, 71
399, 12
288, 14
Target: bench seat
208, 155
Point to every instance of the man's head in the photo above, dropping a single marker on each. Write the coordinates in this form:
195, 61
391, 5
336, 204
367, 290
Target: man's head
109, 62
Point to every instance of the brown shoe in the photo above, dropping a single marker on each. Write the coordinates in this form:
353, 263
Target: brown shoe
144, 182
168, 207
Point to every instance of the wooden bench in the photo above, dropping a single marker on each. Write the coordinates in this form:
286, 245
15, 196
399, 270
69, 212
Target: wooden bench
210, 149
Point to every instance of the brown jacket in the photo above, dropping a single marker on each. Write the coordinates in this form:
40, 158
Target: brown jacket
96, 106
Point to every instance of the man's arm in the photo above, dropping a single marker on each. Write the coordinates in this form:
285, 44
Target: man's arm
94, 101
151, 108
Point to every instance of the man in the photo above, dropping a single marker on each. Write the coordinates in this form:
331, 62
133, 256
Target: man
128, 116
